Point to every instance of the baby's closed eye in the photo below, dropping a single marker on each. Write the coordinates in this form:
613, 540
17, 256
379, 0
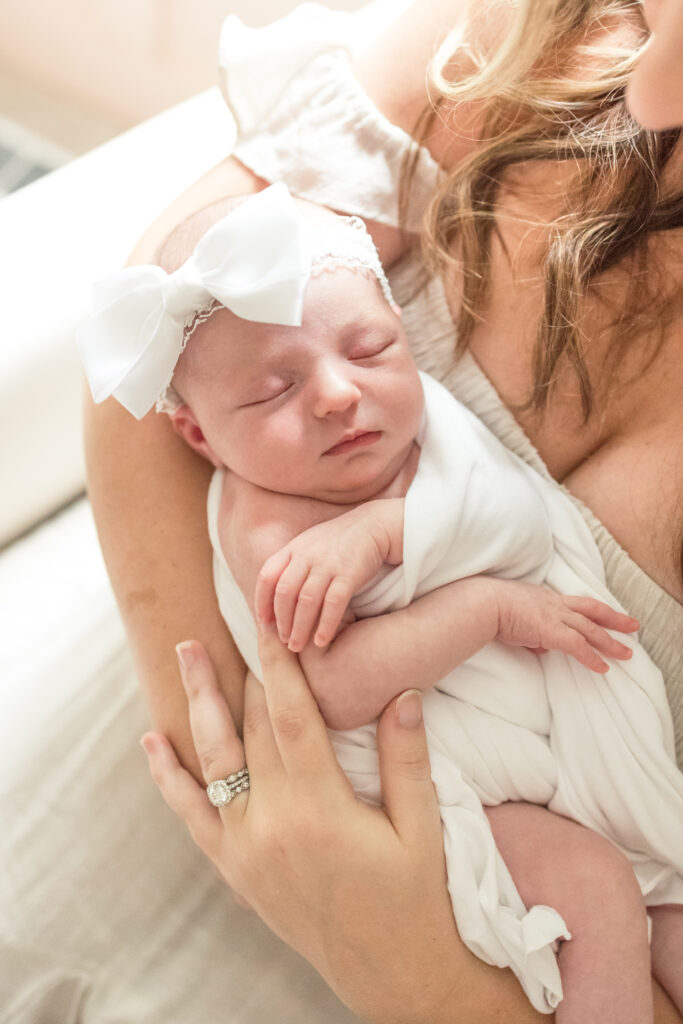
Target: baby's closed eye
369, 348
267, 393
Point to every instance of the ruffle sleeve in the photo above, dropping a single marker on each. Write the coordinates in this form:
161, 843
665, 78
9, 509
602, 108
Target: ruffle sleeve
303, 118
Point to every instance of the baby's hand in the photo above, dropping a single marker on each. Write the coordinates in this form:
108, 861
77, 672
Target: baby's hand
542, 620
312, 580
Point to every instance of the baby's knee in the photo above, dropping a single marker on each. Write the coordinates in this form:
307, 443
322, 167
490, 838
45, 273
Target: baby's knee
561, 864
600, 890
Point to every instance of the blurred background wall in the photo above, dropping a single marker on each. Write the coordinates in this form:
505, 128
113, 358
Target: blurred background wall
77, 72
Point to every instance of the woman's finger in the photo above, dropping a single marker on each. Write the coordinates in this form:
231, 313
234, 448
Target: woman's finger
407, 789
219, 748
183, 794
260, 747
297, 724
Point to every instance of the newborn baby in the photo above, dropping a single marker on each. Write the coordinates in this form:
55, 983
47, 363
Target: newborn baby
354, 500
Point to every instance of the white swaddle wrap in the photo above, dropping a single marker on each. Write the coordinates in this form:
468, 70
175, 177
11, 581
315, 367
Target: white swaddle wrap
507, 724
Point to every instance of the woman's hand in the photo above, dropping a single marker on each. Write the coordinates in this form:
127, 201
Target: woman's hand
360, 892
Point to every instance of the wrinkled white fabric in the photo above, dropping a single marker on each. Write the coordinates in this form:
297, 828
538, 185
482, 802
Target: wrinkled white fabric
508, 725
302, 117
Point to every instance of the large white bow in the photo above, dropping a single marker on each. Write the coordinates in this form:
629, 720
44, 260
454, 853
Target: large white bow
256, 261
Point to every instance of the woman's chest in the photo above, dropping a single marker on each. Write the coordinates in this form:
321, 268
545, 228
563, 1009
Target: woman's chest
625, 461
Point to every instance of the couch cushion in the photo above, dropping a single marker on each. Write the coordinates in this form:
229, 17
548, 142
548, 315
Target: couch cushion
58, 235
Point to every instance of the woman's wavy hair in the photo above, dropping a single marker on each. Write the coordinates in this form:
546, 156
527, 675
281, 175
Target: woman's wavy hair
536, 107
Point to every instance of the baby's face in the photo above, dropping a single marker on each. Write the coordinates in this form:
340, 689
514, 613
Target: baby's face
328, 410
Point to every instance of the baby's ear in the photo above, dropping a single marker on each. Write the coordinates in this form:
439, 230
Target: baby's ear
185, 424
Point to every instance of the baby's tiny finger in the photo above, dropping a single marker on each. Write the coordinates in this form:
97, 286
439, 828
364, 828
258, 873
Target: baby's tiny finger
286, 596
337, 598
307, 611
577, 646
603, 614
612, 648
600, 639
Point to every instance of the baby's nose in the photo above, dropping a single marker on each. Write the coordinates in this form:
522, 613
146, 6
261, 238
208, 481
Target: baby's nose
335, 393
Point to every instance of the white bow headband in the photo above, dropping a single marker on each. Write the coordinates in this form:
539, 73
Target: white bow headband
256, 261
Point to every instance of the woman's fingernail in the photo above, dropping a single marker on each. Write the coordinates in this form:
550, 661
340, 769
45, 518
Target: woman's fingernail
186, 655
409, 709
147, 743
265, 628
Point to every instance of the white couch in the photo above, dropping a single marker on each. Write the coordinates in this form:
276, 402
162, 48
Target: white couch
69, 700
56, 236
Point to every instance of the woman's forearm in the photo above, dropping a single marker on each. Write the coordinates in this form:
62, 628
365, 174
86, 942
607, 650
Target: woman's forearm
148, 493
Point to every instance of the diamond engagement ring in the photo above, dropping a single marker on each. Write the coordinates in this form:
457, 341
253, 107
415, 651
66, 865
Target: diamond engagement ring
221, 792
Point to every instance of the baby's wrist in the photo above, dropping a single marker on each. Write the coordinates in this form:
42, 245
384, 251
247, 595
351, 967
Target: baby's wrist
384, 516
493, 598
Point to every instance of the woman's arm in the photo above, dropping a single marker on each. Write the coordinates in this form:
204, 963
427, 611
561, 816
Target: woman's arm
148, 493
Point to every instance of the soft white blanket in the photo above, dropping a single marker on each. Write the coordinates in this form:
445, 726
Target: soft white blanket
507, 724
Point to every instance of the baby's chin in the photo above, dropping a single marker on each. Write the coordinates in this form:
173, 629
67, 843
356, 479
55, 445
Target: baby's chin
365, 480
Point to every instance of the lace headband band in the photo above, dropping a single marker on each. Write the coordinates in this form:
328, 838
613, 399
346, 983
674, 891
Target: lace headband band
256, 262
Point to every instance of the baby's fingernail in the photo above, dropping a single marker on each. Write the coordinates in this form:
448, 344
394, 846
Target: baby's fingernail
186, 655
409, 709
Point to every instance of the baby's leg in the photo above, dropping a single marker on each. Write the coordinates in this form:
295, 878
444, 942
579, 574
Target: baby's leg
605, 967
667, 950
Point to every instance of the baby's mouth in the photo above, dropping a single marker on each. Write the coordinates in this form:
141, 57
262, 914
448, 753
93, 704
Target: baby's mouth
360, 439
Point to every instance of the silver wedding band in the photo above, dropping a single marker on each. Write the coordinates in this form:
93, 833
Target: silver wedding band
222, 791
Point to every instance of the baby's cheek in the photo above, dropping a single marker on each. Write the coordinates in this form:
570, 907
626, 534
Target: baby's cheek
411, 408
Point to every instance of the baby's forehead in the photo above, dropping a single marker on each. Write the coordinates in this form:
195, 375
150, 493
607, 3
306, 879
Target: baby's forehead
337, 301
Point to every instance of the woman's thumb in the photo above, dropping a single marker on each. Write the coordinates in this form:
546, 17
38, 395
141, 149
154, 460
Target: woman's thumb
407, 789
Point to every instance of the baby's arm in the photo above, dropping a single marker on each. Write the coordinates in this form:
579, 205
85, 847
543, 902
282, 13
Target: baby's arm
365, 665
374, 659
